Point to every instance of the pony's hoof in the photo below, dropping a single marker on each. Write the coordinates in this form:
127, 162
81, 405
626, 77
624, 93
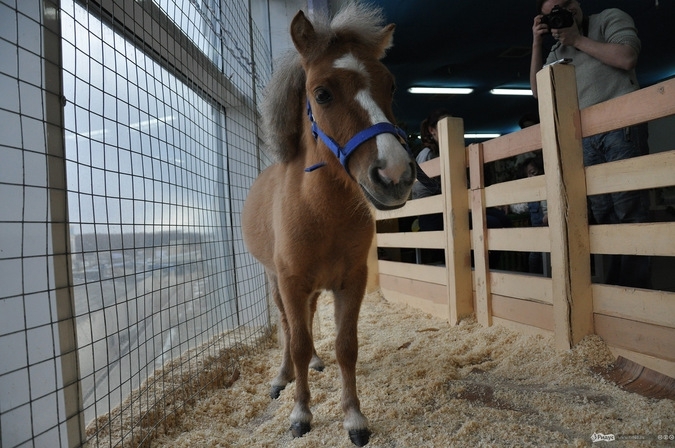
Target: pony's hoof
275, 391
317, 363
300, 429
359, 437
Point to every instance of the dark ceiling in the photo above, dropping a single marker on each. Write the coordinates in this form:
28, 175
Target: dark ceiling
487, 44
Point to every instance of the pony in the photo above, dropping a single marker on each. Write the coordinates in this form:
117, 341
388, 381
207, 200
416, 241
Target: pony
308, 218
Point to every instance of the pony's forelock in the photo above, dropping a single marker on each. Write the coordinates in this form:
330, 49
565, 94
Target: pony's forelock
363, 20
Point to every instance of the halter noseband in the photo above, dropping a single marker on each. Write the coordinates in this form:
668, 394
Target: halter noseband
343, 153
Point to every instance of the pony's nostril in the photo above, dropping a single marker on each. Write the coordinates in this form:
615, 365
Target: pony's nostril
383, 178
392, 173
379, 177
386, 176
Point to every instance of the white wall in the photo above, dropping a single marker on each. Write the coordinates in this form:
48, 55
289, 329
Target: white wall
283, 11
281, 14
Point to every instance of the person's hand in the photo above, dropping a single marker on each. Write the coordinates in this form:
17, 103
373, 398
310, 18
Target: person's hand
566, 36
539, 29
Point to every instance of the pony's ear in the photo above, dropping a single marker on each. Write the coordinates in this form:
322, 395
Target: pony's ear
386, 39
302, 33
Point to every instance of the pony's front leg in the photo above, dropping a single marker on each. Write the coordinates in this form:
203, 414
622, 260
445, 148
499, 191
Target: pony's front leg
286, 370
347, 307
297, 307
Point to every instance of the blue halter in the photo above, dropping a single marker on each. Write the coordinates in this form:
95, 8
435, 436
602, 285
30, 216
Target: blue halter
343, 153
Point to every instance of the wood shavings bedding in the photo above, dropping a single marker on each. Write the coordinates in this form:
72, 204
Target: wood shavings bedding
424, 383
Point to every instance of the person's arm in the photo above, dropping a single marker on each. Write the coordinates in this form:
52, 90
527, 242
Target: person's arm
537, 62
615, 55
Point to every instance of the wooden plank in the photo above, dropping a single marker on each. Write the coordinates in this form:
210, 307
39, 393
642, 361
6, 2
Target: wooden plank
373, 274
520, 239
389, 226
640, 337
527, 189
432, 168
476, 178
654, 238
425, 240
456, 212
437, 310
652, 307
566, 190
521, 328
481, 275
513, 144
421, 272
529, 287
636, 378
648, 103
414, 207
660, 365
428, 297
428, 291
637, 173
536, 314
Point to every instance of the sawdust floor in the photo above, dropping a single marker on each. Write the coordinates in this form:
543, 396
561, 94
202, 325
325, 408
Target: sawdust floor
423, 383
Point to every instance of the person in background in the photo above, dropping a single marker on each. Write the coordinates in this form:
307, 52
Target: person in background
538, 212
529, 119
429, 136
495, 217
604, 50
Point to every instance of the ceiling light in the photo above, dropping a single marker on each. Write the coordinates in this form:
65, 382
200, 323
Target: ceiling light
511, 92
441, 90
478, 136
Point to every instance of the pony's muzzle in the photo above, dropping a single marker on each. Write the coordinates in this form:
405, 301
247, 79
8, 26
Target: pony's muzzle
385, 174
389, 187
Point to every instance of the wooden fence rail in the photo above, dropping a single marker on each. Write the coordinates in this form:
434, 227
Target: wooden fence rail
638, 324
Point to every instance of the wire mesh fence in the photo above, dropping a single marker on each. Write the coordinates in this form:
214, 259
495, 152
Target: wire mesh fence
130, 138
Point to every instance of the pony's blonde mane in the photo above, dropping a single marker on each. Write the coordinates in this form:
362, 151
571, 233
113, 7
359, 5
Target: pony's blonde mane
283, 104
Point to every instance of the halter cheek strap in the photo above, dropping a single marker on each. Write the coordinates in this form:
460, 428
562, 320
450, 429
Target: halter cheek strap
344, 152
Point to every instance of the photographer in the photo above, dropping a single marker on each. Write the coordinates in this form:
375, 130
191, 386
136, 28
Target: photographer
604, 49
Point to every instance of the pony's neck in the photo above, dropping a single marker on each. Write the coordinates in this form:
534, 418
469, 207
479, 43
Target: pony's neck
327, 178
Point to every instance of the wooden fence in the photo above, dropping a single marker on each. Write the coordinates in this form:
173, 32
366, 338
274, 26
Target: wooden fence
638, 324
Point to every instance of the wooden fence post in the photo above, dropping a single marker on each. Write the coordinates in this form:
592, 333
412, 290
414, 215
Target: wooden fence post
567, 209
479, 235
456, 218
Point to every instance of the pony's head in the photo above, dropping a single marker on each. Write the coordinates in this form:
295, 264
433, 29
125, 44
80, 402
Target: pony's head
348, 94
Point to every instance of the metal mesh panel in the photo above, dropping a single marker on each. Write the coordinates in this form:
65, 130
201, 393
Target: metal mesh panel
130, 139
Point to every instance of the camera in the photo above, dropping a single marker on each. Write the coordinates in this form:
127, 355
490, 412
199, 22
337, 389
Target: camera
558, 18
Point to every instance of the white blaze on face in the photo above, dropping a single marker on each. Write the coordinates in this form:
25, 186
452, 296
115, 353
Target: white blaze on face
389, 147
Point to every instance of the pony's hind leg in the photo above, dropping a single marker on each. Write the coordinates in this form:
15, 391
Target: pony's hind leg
286, 371
347, 307
316, 363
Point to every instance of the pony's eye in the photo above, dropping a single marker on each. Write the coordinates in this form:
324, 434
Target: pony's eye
322, 96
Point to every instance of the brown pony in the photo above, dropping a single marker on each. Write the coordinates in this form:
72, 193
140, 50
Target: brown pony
327, 118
